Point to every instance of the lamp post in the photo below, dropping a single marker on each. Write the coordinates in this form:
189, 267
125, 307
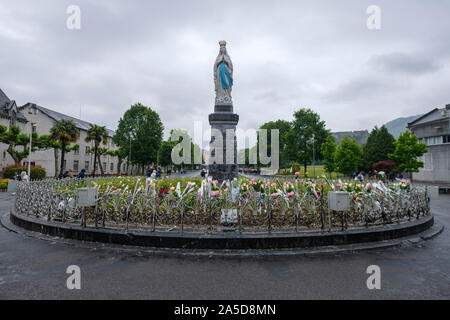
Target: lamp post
129, 156
314, 167
29, 154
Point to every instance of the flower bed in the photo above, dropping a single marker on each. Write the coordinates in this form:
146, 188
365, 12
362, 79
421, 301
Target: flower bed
198, 204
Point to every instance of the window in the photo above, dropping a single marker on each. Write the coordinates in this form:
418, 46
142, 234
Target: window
111, 167
104, 166
75, 165
446, 138
434, 140
86, 150
86, 165
118, 167
76, 152
64, 164
33, 128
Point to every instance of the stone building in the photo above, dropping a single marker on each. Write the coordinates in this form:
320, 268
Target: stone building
43, 119
10, 115
433, 129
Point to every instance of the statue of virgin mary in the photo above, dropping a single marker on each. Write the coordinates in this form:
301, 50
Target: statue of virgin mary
223, 75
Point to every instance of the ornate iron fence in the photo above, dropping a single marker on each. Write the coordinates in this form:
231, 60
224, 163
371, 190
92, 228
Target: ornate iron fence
197, 209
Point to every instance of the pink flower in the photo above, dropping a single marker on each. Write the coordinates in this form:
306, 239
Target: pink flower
297, 173
290, 194
214, 193
215, 181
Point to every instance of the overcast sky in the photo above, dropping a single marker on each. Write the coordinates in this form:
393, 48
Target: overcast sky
286, 55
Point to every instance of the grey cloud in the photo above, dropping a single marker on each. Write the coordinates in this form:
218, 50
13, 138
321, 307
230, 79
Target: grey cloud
285, 54
398, 62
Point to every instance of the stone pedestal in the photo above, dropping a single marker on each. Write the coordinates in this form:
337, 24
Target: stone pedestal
224, 119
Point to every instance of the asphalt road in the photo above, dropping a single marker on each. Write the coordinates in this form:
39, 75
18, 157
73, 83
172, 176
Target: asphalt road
31, 268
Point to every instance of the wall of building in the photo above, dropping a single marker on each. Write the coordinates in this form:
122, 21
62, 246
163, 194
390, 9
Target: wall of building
437, 160
46, 158
436, 165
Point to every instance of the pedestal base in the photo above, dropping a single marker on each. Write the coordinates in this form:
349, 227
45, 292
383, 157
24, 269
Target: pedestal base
224, 119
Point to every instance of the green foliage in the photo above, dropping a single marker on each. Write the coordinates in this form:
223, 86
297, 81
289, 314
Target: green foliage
141, 129
306, 124
407, 150
165, 153
98, 134
65, 132
283, 128
328, 150
380, 144
36, 172
15, 139
349, 156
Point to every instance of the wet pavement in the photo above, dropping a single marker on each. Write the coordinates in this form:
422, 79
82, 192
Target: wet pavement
32, 268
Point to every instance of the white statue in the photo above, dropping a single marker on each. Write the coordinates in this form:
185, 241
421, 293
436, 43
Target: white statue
223, 75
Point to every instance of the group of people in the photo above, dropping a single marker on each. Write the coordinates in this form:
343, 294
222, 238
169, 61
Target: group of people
21, 177
152, 173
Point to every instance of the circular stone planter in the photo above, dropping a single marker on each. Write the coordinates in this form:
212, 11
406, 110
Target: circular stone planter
226, 240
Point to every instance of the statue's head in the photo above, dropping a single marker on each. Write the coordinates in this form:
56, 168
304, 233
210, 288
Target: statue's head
222, 45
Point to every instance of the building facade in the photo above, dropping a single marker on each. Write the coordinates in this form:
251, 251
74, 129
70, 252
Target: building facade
433, 129
43, 119
10, 115
32, 117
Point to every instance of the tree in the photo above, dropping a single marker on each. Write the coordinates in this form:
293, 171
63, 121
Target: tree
306, 124
120, 154
328, 150
65, 132
14, 138
98, 134
349, 156
283, 127
140, 131
379, 145
165, 153
407, 150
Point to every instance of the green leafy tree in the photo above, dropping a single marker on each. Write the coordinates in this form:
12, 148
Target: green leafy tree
97, 134
140, 131
65, 132
349, 156
299, 141
328, 150
165, 153
407, 150
379, 145
283, 128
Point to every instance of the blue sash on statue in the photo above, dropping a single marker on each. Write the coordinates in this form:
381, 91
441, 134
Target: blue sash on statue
225, 76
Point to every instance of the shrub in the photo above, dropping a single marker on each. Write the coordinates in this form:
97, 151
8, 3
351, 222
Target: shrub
36, 172
4, 183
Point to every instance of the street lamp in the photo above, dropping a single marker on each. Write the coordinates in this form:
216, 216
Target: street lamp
129, 156
314, 161
33, 126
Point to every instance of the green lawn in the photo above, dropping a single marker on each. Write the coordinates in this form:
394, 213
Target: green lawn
319, 171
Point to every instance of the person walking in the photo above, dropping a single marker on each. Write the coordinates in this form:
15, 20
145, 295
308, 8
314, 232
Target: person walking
81, 174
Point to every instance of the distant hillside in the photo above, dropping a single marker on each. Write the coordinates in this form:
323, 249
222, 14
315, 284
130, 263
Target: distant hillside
397, 126
360, 136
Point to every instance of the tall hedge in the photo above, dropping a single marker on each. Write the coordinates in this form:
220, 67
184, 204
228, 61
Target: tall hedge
36, 172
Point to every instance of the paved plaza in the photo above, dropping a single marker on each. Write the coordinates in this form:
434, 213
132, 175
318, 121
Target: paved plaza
35, 268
